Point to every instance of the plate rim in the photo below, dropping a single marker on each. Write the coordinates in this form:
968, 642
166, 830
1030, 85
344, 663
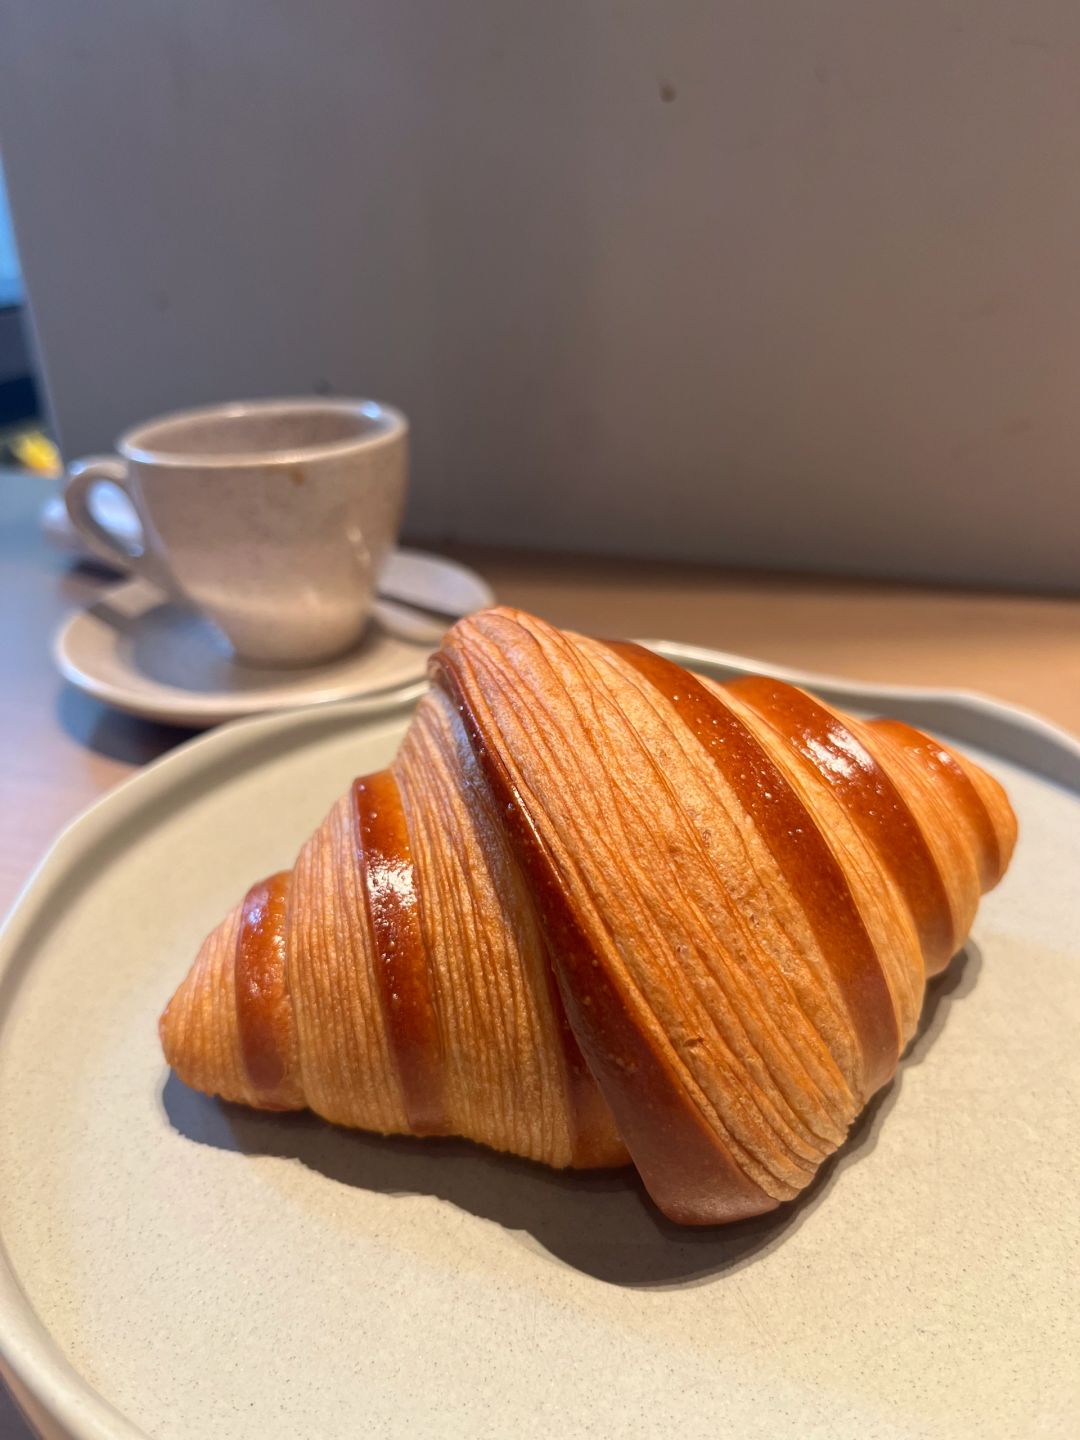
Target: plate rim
44, 1381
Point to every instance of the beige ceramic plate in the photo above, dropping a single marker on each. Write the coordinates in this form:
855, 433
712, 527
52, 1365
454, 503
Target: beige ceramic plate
175, 1268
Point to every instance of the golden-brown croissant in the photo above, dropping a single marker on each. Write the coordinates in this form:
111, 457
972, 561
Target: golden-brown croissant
600, 909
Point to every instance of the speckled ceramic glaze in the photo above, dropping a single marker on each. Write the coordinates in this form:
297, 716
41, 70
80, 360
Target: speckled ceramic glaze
273, 518
174, 1267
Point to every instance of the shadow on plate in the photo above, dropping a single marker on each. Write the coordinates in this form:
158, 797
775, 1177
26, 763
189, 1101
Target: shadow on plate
602, 1223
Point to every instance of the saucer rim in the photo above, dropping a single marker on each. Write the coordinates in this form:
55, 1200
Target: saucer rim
204, 709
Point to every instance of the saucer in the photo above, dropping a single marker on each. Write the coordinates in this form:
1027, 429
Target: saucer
140, 652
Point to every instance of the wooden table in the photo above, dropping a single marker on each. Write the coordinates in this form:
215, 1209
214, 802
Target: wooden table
59, 750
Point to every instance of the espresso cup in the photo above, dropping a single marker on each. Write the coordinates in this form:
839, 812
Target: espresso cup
271, 517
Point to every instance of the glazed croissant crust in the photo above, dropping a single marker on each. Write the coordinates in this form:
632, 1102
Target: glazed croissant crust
600, 910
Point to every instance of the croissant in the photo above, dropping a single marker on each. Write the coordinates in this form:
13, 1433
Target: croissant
601, 910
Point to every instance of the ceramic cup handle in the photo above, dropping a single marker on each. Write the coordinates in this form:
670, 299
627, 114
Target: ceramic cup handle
82, 476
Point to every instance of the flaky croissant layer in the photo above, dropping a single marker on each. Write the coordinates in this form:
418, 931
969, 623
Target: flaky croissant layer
601, 909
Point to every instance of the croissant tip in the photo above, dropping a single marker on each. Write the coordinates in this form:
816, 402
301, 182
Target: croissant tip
719, 1208
163, 1030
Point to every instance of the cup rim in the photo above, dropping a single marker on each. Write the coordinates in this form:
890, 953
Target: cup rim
136, 443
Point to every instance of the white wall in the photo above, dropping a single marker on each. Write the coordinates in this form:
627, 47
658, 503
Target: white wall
787, 283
